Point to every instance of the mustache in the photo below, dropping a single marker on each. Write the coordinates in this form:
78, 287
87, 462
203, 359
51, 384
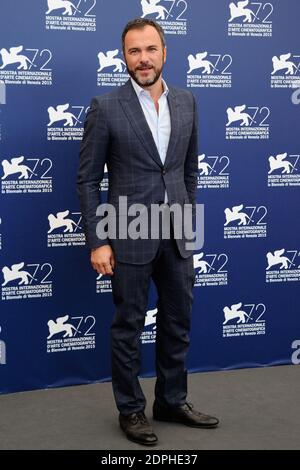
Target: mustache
144, 67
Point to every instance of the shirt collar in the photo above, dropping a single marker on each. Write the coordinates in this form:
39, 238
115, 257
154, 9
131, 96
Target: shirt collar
139, 90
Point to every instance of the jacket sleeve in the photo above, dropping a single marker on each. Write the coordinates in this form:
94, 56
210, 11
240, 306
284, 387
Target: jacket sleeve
93, 156
191, 161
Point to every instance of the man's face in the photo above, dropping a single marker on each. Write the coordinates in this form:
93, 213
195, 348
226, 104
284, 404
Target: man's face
144, 55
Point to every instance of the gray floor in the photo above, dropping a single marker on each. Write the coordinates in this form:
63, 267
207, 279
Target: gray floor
258, 409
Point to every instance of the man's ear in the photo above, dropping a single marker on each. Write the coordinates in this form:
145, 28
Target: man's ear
165, 53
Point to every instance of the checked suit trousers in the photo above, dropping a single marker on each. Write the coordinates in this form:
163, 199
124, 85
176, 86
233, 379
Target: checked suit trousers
174, 279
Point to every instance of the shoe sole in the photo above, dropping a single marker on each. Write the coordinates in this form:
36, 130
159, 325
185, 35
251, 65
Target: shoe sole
205, 426
149, 444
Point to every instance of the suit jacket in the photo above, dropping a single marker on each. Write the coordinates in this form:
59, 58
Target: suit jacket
116, 132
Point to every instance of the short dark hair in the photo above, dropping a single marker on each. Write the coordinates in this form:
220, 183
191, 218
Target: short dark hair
140, 23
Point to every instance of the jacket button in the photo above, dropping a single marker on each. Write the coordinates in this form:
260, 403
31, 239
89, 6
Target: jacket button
163, 171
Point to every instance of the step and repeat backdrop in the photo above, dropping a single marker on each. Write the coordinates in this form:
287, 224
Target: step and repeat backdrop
242, 62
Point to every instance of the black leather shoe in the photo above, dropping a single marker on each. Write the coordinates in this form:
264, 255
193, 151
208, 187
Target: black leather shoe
184, 414
137, 428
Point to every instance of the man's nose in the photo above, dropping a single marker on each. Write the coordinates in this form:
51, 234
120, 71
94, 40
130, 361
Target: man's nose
144, 56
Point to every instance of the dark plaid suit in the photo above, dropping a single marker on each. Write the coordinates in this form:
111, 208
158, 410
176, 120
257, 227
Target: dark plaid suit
116, 132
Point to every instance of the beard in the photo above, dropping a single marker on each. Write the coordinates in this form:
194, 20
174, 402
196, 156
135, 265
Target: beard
154, 74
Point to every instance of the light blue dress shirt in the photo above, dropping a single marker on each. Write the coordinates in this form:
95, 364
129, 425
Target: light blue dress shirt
158, 122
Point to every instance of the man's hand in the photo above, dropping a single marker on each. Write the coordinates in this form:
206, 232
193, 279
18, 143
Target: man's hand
103, 260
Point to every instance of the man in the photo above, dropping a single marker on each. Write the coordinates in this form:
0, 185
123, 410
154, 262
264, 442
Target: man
147, 135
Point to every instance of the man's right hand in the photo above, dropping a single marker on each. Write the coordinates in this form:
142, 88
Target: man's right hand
103, 260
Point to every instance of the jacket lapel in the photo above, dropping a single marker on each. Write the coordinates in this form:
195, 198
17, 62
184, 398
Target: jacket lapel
133, 110
175, 124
